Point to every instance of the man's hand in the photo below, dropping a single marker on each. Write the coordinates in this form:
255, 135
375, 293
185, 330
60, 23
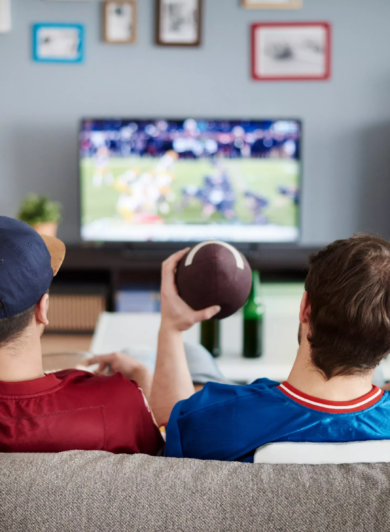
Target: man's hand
130, 368
176, 315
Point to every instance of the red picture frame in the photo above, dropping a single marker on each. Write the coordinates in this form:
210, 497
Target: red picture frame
256, 62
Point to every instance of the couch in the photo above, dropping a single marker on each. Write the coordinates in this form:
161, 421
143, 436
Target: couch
94, 491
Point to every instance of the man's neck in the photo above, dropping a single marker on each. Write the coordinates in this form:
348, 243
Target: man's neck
21, 360
307, 379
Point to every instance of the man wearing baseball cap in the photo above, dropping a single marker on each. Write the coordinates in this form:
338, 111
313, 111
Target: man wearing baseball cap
69, 409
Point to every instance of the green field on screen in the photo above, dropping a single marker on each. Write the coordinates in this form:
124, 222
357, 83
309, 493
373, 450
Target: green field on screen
260, 176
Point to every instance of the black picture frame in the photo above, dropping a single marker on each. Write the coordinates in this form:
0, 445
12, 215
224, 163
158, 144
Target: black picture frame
162, 41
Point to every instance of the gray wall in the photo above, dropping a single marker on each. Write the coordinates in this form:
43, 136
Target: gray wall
347, 120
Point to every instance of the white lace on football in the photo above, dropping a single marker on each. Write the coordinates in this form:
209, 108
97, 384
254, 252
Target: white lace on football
194, 251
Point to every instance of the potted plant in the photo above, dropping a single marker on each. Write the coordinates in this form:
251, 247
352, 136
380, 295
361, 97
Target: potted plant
41, 213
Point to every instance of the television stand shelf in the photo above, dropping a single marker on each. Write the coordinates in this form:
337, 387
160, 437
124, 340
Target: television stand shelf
101, 271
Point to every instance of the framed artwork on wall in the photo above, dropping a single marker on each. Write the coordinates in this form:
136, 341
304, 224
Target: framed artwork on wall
5, 16
291, 51
120, 21
58, 43
178, 23
272, 4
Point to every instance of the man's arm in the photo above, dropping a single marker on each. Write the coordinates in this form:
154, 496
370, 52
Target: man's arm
130, 368
172, 380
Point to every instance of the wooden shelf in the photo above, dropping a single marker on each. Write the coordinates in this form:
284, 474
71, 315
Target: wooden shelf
267, 257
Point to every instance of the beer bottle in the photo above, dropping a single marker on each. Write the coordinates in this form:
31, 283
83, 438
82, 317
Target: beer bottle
210, 336
253, 315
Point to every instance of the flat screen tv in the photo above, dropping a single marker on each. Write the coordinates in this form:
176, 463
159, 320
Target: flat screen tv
163, 180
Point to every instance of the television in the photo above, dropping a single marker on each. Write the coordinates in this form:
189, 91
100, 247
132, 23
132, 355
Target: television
189, 180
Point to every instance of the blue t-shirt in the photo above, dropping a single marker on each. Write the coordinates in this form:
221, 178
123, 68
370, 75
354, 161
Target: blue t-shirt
228, 422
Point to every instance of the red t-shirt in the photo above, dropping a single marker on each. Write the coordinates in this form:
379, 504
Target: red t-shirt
73, 409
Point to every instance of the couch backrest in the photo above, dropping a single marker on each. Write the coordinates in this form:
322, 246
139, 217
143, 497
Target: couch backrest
97, 491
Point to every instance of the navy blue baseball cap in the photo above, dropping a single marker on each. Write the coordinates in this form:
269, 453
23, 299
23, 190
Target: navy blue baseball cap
28, 263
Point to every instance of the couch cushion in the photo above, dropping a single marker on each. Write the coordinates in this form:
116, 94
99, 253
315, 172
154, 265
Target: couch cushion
354, 452
97, 491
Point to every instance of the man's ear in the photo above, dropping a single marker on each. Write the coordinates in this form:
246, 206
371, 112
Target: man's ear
42, 310
305, 309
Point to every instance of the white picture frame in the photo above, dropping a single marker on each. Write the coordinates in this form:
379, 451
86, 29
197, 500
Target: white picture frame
5, 16
120, 21
272, 4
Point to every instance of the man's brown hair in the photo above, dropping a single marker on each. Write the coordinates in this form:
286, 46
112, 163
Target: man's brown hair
12, 328
348, 287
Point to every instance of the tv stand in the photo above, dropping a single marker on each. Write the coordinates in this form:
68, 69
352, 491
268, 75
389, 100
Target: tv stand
104, 269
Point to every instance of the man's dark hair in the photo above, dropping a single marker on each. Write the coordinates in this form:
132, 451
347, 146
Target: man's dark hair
12, 328
348, 287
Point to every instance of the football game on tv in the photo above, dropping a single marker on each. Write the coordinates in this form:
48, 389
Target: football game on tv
190, 180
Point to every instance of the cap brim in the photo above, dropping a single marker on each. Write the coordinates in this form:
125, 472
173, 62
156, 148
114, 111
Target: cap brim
57, 252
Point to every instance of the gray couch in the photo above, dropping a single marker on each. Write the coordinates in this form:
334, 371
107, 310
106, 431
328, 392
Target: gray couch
96, 491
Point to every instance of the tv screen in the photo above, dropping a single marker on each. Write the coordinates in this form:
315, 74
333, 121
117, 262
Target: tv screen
190, 180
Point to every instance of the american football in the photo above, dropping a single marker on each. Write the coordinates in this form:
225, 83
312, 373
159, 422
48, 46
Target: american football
214, 273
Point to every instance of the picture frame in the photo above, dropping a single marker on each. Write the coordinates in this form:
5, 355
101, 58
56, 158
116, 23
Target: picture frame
5, 16
287, 51
179, 23
272, 4
58, 43
119, 21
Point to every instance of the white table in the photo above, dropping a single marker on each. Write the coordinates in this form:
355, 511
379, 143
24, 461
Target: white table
116, 331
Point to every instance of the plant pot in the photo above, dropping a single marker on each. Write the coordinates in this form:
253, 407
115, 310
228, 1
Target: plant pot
46, 228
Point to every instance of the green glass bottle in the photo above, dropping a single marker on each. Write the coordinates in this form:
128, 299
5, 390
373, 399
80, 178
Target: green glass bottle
253, 315
210, 336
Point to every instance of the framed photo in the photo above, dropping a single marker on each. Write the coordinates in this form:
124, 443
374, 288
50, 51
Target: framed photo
179, 22
120, 22
272, 4
5, 16
58, 43
291, 51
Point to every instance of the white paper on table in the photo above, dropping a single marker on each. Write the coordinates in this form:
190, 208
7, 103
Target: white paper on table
117, 331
